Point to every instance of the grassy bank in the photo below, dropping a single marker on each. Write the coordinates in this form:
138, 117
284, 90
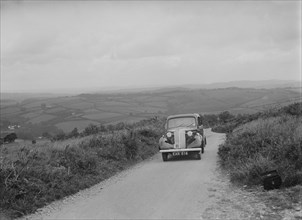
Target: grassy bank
35, 175
273, 141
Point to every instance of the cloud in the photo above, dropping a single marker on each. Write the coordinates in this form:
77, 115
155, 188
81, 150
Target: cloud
114, 43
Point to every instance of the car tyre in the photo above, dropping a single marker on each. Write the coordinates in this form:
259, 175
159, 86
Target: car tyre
198, 156
165, 156
202, 146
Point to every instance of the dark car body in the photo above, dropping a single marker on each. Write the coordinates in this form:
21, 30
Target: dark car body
184, 136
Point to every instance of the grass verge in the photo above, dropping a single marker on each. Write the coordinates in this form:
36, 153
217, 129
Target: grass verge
33, 176
264, 144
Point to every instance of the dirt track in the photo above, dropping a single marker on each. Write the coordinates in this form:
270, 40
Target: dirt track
177, 189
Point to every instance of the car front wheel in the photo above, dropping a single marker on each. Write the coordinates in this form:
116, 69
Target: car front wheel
198, 156
202, 147
165, 156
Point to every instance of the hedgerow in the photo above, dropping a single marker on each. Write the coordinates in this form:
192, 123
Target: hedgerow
33, 176
227, 122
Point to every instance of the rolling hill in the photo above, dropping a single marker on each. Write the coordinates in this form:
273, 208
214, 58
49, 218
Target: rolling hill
67, 112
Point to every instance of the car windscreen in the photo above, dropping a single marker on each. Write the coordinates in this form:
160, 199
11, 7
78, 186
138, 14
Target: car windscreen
181, 122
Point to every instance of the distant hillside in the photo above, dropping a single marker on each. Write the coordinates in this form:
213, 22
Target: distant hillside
17, 97
260, 84
264, 84
66, 113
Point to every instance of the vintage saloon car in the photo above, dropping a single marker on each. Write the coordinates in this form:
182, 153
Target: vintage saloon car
184, 136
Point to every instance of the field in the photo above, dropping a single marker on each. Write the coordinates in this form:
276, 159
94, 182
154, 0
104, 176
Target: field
10, 110
70, 125
101, 115
68, 112
8, 102
129, 120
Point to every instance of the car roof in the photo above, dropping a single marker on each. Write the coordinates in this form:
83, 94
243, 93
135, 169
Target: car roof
183, 115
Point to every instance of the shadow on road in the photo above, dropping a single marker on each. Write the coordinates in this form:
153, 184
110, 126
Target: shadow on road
181, 158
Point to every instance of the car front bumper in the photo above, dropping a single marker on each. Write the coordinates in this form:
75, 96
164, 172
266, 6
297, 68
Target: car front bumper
194, 146
180, 150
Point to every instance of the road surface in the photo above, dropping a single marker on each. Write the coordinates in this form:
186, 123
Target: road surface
153, 189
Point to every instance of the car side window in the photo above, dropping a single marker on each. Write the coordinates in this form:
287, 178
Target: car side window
199, 121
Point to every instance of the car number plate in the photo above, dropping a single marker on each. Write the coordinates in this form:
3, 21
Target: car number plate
179, 153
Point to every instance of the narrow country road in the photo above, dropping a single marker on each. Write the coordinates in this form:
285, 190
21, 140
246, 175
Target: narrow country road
153, 189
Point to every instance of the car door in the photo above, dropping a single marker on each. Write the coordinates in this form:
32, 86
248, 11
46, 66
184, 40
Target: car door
200, 125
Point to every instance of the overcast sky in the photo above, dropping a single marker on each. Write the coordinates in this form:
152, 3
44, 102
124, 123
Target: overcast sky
56, 45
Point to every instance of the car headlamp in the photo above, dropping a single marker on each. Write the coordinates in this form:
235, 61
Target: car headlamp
190, 133
169, 134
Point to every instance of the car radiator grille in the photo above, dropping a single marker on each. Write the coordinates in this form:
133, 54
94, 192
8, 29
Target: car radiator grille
180, 139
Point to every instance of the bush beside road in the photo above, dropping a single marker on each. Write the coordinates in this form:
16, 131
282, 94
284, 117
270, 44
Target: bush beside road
263, 145
33, 176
